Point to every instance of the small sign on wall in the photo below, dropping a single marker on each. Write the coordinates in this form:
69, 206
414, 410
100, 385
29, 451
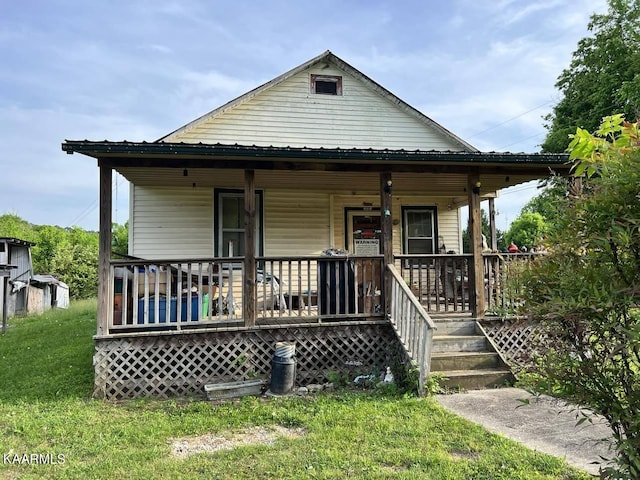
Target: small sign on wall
366, 246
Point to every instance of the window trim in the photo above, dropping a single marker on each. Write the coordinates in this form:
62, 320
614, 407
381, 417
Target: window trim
337, 79
218, 194
405, 227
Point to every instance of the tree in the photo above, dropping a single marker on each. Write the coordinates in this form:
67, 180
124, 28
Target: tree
120, 236
12, 226
603, 77
551, 202
48, 241
76, 265
527, 230
486, 231
586, 290
76, 262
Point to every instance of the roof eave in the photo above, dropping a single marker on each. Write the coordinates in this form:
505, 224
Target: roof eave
199, 150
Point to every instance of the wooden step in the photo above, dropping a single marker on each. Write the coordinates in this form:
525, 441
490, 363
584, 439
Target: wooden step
456, 327
459, 343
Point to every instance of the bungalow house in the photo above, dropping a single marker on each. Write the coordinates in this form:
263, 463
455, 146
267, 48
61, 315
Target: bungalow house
319, 209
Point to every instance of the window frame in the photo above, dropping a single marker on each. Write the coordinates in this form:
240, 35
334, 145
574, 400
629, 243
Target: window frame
219, 195
337, 79
405, 227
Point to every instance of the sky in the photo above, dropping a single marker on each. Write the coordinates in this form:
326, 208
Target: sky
138, 69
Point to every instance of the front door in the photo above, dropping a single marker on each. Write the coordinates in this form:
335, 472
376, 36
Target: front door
364, 232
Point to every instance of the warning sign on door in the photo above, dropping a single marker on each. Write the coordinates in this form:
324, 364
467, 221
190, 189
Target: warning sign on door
364, 246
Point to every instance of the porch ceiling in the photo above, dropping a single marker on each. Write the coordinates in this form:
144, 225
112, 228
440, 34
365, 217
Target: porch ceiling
435, 184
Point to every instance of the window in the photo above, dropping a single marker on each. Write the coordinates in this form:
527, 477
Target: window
420, 230
229, 222
326, 84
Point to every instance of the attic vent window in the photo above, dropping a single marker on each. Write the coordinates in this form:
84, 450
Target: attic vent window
326, 84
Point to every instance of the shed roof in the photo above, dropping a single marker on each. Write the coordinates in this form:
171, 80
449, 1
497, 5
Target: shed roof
17, 241
49, 279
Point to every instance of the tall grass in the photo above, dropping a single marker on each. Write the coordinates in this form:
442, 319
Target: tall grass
45, 407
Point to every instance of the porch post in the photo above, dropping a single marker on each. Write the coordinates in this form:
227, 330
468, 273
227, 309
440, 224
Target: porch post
105, 310
492, 225
386, 224
476, 270
249, 279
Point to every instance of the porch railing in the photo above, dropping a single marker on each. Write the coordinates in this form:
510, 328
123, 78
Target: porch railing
412, 324
441, 282
183, 294
503, 288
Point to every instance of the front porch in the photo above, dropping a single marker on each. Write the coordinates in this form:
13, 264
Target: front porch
168, 324
176, 325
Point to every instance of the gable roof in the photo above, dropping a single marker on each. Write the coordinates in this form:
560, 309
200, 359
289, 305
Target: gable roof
330, 59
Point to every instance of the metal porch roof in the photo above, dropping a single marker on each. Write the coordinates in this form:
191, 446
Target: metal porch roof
194, 151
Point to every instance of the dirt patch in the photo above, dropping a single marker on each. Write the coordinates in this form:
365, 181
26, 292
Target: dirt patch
463, 455
210, 443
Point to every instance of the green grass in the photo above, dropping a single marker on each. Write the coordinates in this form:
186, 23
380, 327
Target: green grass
45, 407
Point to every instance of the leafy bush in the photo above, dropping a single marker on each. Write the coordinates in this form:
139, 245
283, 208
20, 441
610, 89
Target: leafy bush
587, 289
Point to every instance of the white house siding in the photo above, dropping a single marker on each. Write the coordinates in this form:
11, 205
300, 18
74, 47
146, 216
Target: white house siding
172, 222
296, 222
287, 114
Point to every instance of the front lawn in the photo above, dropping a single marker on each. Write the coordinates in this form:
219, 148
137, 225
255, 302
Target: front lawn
46, 410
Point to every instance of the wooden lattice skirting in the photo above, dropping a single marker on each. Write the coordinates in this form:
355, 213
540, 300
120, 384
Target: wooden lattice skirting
180, 365
516, 339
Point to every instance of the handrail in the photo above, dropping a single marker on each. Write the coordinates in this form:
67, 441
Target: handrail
412, 324
185, 260
412, 298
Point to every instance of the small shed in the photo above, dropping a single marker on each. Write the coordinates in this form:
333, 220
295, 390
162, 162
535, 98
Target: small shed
47, 292
16, 272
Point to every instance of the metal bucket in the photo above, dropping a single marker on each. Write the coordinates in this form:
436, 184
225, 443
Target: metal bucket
283, 375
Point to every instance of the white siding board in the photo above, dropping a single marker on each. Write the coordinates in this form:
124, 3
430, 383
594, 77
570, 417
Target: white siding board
442, 185
296, 223
288, 115
172, 222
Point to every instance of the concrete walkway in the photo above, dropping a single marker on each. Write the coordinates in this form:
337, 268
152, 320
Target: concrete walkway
547, 424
